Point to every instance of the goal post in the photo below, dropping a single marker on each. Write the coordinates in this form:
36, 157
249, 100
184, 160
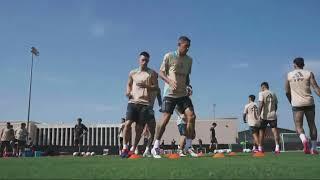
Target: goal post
290, 142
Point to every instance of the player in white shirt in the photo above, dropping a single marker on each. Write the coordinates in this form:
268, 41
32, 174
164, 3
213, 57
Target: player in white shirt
268, 106
298, 91
251, 116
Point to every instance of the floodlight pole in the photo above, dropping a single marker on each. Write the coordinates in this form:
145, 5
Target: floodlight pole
34, 52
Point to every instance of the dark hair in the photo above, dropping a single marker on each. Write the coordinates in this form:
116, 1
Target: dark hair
123, 119
214, 124
252, 97
266, 84
8, 123
299, 61
145, 54
79, 119
184, 38
23, 124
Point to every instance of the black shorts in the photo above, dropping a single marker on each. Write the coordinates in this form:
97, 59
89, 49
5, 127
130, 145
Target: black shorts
78, 141
169, 104
254, 129
138, 113
272, 124
5, 144
214, 140
304, 108
21, 143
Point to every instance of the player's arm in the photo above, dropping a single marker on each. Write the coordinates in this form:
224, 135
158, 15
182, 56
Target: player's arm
129, 86
276, 102
245, 115
314, 84
288, 90
164, 69
85, 128
261, 104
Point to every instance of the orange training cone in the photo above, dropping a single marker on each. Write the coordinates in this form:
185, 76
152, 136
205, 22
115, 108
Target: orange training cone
258, 154
219, 155
134, 156
174, 156
232, 154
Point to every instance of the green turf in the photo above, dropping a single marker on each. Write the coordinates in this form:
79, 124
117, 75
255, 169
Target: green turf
243, 166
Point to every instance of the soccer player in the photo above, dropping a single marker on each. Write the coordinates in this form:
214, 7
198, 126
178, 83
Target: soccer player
175, 71
142, 81
268, 105
7, 135
123, 120
21, 137
299, 94
79, 131
251, 116
214, 141
150, 126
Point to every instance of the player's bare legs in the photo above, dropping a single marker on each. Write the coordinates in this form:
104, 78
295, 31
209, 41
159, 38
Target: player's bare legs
310, 115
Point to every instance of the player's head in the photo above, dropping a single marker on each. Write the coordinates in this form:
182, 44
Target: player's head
214, 124
8, 124
23, 125
252, 98
79, 120
183, 44
144, 59
298, 63
123, 120
264, 86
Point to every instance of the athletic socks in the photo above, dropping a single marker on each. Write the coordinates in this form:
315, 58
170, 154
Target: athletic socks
303, 138
277, 148
314, 145
147, 149
188, 143
260, 148
156, 144
253, 148
125, 146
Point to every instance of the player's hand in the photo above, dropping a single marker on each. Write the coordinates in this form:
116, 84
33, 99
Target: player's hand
142, 85
173, 84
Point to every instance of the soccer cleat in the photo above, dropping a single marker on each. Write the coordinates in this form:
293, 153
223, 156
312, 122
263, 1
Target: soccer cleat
255, 151
181, 153
136, 151
314, 152
306, 148
156, 153
147, 154
192, 153
277, 152
125, 153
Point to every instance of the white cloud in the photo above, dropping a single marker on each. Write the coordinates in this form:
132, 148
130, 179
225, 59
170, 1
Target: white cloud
240, 66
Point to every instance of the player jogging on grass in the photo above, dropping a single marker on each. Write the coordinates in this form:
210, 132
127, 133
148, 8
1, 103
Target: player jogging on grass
142, 81
175, 71
150, 125
299, 94
268, 106
250, 116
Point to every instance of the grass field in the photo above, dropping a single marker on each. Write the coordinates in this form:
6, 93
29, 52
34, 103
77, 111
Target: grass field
242, 166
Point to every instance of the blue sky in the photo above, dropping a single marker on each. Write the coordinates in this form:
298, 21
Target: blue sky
87, 49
